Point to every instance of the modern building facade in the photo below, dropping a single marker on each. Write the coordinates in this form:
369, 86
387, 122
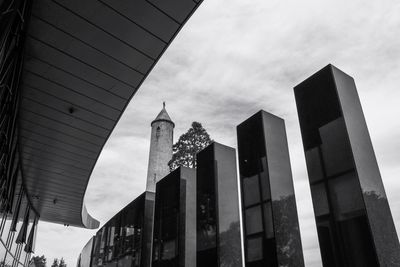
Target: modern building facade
85, 257
162, 134
126, 238
218, 221
270, 222
18, 231
354, 222
66, 76
174, 238
132, 238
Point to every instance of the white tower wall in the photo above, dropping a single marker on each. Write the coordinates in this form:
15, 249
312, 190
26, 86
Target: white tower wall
162, 130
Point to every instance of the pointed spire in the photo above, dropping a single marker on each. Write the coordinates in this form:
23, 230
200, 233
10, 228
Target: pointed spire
163, 116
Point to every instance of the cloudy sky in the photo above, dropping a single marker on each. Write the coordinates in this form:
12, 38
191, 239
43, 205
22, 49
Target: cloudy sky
234, 58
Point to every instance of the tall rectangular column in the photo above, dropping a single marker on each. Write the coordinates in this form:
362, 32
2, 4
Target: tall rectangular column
271, 228
147, 239
218, 223
354, 222
174, 239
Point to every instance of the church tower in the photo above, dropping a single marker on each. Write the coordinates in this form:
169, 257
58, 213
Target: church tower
162, 130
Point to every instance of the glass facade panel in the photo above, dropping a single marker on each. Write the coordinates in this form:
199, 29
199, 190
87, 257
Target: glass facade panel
218, 227
268, 222
315, 172
265, 184
125, 261
336, 141
206, 209
3, 260
272, 236
251, 190
253, 220
320, 199
11, 253
14, 245
120, 241
254, 249
166, 221
345, 196
6, 229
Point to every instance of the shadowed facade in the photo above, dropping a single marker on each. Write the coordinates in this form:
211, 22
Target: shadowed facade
270, 222
354, 222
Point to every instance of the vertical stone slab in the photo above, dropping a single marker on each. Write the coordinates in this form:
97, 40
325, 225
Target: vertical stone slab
218, 223
354, 222
175, 220
271, 229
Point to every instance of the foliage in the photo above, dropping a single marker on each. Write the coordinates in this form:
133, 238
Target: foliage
287, 232
59, 263
189, 143
55, 263
39, 261
230, 247
62, 263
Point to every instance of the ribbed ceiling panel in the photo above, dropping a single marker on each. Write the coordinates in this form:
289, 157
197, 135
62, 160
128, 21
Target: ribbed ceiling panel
84, 61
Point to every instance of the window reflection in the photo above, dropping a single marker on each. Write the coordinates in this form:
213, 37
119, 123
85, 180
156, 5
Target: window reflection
218, 230
166, 221
253, 220
344, 235
319, 196
251, 190
3, 260
271, 229
268, 222
254, 249
119, 241
206, 213
340, 212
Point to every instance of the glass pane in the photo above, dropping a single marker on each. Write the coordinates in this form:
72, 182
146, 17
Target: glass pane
253, 220
314, 166
320, 199
6, 229
2, 254
254, 249
335, 147
251, 190
346, 196
168, 250
265, 183
125, 261
268, 221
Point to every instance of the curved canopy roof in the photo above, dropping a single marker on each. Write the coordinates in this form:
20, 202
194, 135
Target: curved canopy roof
84, 60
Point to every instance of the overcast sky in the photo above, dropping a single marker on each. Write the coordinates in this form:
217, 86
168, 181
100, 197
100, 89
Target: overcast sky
234, 58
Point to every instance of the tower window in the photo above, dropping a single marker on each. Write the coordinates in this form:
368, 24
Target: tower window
158, 131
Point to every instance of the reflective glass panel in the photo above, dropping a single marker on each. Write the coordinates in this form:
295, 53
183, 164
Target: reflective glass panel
253, 220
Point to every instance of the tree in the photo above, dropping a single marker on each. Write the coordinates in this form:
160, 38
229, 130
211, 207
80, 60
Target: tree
188, 144
62, 263
39, 261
